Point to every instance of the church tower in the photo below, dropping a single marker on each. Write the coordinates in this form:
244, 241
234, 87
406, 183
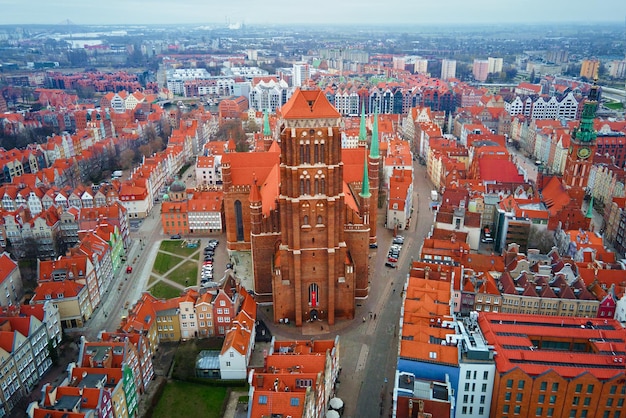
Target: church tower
582, 149
313, 275
374, 176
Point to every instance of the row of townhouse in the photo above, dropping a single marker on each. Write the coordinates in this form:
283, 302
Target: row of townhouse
15, 163
76, 282
40, 198
199, 313
548, 141
111, 374
54, 230
28, 336
122, 100
391, 98
108, 377
148, 182
100, 81
298, 379
566, 107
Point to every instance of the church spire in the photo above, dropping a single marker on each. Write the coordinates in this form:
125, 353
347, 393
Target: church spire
362, 128
374, 147
585, 132
267, 131
589, 214
365, 189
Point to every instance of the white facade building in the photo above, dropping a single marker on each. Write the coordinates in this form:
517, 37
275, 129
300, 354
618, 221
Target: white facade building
448, 69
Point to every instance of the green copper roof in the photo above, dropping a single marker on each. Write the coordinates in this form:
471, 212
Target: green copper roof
267, 131
585, 131
362, 128
374, 153
589, 213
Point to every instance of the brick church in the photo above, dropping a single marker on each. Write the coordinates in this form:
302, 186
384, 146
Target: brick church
305, 209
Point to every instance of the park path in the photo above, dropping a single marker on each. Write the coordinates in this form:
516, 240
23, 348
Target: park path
164, 277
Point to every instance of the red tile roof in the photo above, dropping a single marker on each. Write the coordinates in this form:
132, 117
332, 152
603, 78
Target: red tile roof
308, 104
518, 341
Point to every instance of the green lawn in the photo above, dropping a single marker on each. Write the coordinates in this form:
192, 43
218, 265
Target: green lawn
165, 262
174, 246
164, 290
182, 399
188, 270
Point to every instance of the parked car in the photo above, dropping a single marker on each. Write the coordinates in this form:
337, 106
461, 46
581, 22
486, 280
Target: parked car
399, 240
129, 269
374, 245
390, 265
176, 236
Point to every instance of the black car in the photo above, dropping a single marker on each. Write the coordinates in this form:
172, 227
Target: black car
176, 236
374, 245
390, 265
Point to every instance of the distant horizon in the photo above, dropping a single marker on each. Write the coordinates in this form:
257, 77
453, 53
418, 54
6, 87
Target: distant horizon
348, 24
322, 12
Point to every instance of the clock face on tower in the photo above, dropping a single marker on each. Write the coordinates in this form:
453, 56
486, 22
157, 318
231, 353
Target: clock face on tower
584, 153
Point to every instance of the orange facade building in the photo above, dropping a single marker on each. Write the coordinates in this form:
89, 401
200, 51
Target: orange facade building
551, 366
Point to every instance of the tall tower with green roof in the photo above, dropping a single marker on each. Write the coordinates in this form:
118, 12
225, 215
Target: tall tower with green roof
582, 145
267, 132
373, 162
362, 127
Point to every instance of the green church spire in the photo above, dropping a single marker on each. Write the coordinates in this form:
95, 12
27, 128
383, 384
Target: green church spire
362, 128
374, 153
589, 213
365, 190
267, 131
585, 132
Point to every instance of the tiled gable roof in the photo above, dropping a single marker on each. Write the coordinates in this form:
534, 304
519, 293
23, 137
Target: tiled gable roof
308, 104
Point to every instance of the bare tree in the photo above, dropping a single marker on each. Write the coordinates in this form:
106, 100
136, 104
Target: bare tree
541, 239
126, 159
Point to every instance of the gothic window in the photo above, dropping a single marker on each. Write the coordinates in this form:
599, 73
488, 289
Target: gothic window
317, 186
307, 186
316, 152
305, 220
239, 220
314, 295
323, 186
301, 187
322, 152
301, 153
320, 220
307, 153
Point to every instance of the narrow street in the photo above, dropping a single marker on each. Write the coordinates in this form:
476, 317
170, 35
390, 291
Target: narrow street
369, 350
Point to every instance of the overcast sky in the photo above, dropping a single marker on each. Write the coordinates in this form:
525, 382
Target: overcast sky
382, 12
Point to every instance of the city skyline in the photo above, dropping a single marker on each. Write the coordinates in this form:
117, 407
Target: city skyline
326, 12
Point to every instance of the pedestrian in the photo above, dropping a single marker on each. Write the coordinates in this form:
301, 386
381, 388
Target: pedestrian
394, 290
374, 316
321, 327
363, 319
